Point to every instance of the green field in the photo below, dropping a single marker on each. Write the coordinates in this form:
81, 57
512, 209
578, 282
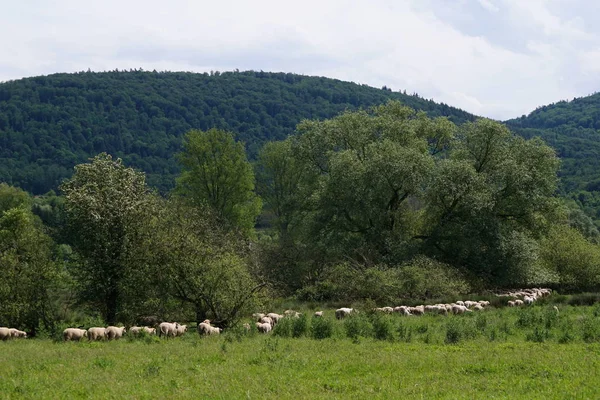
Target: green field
415, 360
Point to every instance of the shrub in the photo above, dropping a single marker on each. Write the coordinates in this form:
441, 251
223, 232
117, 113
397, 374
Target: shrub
321, 328
283, 328
454, 332
299, 326
357, 325
383, 327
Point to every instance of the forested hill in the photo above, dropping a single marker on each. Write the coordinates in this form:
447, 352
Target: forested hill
573, 129
48, 124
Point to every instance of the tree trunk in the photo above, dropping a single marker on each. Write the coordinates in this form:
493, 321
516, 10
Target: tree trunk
200, 313
111, 306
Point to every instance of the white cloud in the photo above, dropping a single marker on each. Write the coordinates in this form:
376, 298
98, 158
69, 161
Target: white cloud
446, 52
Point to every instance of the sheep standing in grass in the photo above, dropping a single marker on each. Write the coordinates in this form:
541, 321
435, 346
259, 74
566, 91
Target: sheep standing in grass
518, 302
136, 330
96, 333
274, 317
74, 334
15, 333
267, 320
5, 334
206, 329
318, 314
168, 329
511, 303
115, 332
343, 312
181, 330
263, 327
528, 300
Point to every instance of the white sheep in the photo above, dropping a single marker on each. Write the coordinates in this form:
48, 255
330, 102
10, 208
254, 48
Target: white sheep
206, 329
258, 316
96, 333
74, 334
518, 302
136, 330
528, 300
181, 330
511, 303
274, 317
5, 333
343, 312
115, 332
319, 314
15, 333
267, 320
263, 327
168, 329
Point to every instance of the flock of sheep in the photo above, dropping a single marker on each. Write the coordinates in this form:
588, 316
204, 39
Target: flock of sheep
265, 322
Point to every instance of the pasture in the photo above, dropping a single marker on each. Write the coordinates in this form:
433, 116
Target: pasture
497, 353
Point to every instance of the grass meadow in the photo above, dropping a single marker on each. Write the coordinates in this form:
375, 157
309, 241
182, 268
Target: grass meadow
503, 353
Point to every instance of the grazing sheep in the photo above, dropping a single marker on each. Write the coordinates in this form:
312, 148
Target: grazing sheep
115, 332
274, 317
5, 334
319, 314
15, 333
518, 302
136, 330
247, 327
258, 316
528, 300
458, 309
402, 310
168, 329
96, 333
263, 327
511, 303
343, 312
266, 320
74, 334
206, 329
478, 307
181, 330
291, 313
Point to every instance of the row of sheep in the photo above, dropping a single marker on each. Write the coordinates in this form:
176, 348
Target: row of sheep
458, 307
525, 296
11, 333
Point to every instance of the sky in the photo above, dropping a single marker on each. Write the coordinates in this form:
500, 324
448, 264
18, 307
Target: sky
495, 58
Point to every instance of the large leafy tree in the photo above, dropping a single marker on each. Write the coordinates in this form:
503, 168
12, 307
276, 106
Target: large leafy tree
191, 256
217, 173
491, 201
104, 202
28, 273
385, 184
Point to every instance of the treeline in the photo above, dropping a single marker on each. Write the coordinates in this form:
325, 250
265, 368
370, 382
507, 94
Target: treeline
572, 128
385, 204
49, 124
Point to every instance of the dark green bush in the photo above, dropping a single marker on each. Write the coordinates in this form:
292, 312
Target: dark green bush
321, 328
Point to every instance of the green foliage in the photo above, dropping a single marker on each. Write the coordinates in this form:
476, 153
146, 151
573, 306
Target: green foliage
575, 260
104, 202
321, 328
187, 253
48, 124
424, 278
217, 173
28, 273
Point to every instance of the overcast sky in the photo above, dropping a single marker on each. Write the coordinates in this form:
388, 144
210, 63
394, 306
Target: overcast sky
495, 58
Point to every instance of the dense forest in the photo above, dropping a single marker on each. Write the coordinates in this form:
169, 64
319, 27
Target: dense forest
573, 129
48, 124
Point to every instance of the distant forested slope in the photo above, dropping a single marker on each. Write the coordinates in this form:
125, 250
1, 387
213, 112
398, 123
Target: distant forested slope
573, 129
48, 124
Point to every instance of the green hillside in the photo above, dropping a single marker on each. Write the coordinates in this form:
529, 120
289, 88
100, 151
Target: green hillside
573, 129
48, 124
